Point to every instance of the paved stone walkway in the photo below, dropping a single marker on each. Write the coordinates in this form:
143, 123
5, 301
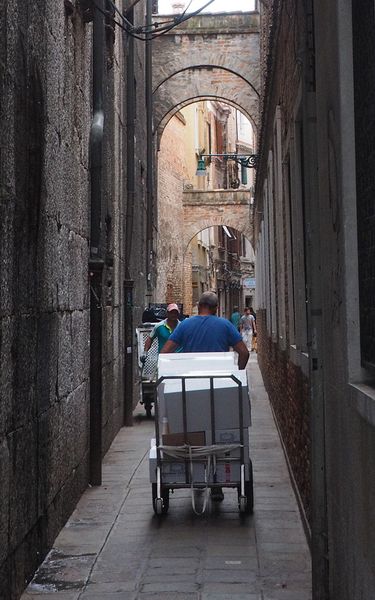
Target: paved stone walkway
114, 548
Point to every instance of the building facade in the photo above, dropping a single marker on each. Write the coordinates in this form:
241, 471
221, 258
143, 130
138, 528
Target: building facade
314, 224
62, 306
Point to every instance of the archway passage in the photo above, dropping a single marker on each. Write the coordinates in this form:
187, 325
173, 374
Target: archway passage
188, 200
219, 258
208, 56
202, 209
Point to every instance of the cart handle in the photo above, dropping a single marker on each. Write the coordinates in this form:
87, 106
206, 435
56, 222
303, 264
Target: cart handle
183, 377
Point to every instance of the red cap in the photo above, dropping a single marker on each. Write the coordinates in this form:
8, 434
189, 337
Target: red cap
171, 307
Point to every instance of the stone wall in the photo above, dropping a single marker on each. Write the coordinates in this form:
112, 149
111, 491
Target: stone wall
45, 118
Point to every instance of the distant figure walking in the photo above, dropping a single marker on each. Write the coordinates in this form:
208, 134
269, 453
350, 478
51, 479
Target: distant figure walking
235, 318
248, 328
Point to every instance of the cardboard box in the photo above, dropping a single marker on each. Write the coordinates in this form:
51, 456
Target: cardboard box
194, 438
175, 472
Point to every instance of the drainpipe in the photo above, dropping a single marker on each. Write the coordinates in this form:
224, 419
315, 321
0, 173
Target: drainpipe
129, 223
96, 262
150, 178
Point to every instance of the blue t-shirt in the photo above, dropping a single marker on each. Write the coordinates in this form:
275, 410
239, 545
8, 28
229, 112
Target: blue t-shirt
206, 334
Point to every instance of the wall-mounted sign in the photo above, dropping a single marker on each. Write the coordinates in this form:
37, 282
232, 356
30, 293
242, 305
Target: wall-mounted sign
248, 282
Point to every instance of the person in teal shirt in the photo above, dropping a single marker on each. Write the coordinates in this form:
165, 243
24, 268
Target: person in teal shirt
235, 318
164, 329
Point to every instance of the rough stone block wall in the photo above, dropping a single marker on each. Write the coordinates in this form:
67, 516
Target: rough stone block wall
44, 309
288, 390
45, 118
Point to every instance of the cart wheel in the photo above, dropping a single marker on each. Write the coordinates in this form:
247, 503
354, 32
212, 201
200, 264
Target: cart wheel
242, 504
246, 502
160, 505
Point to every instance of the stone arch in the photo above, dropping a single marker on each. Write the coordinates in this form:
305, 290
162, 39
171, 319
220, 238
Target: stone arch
237, 49
209, 67
206, 82
206, 209
217, 222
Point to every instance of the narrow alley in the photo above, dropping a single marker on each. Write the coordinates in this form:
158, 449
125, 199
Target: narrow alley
154, 153
114, 547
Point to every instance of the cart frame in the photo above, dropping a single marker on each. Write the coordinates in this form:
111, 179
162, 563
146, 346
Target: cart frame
244, 487
147, 368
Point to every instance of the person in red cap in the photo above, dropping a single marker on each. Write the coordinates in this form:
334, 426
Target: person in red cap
163, 330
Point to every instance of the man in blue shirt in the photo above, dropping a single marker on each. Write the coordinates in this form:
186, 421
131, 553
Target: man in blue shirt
207, 333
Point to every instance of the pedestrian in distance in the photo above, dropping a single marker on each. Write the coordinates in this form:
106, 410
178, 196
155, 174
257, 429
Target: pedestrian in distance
206, 332
248, 328
164, 329
235, 318
254, 338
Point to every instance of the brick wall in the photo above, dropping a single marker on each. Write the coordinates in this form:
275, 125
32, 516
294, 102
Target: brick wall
288, 390
170, 251
228, 44
282, 28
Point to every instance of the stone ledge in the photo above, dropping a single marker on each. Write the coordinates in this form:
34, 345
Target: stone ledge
218, 197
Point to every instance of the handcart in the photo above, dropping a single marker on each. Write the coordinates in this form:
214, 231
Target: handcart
217, 457
147, 364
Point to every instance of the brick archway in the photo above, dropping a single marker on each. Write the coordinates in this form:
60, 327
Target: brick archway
206, 209
209, 56
175, 109
208, 81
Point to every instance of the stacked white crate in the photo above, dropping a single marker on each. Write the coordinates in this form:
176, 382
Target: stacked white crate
198, 406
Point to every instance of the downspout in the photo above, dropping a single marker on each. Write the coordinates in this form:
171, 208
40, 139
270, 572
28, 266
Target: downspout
96, 262
150, 177
129, 225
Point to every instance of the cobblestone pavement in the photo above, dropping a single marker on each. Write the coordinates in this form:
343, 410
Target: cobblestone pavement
114, 548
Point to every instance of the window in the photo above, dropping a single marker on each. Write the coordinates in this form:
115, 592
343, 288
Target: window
364, 101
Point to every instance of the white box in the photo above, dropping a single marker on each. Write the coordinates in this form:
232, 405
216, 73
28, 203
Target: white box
198, 404
178, 363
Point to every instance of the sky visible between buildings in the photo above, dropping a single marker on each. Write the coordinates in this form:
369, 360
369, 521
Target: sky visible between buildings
165, 6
